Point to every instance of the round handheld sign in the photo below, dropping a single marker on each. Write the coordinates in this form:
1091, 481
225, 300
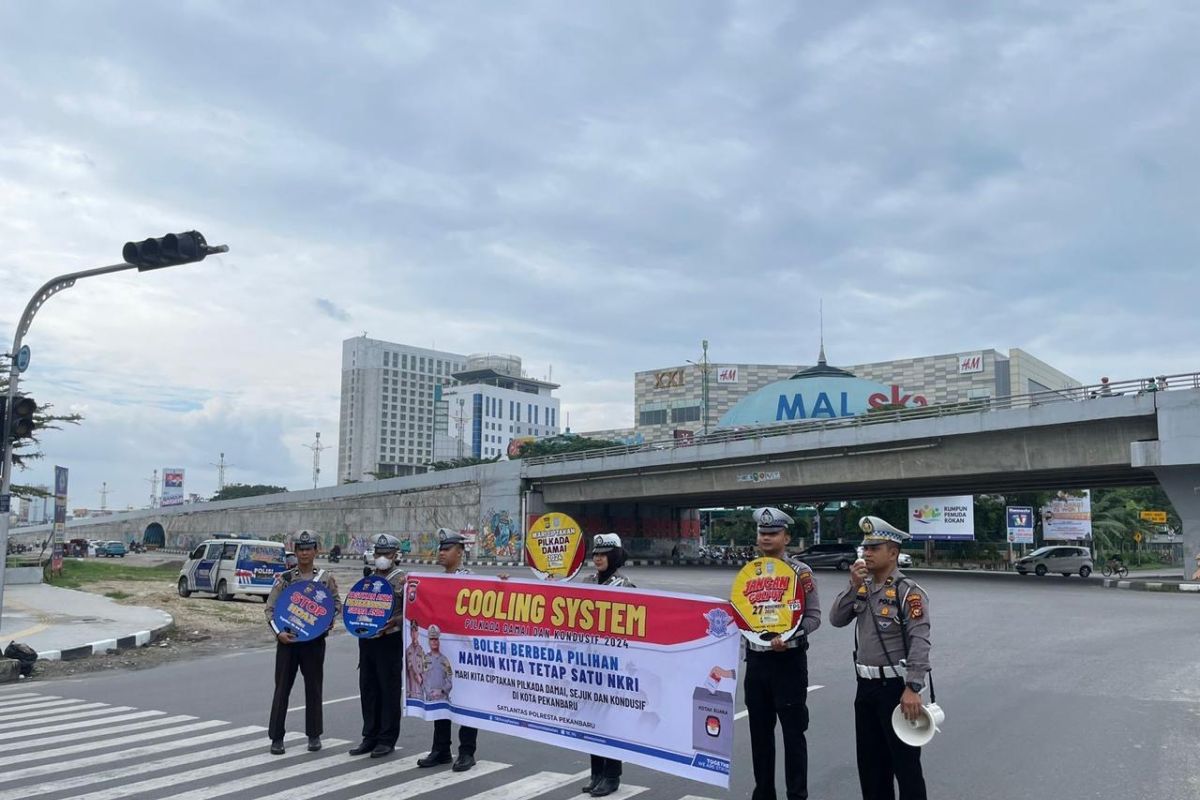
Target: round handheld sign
368, 606
304, 609
554, 547
766, 595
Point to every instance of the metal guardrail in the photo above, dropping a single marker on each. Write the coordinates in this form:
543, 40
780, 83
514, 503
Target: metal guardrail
1098, 391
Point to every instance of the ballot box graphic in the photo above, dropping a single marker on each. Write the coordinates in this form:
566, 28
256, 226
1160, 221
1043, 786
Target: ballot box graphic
712, 721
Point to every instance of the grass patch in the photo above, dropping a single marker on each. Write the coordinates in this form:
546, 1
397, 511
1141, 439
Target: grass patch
75, 573
118, 595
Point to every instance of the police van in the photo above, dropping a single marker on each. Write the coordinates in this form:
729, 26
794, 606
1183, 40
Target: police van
227, 567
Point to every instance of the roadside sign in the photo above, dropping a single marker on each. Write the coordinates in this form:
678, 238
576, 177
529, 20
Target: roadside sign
1137, 536
1157, 517
23, 358
1020, 524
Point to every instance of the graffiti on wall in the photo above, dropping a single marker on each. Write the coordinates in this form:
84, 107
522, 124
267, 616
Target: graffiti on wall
501, 537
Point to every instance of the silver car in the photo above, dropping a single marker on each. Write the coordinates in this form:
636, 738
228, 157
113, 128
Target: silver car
1063, 559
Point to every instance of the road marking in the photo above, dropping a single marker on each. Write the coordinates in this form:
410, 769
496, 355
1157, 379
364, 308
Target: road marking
34, 714
326, 703
128, 771
75, 726
372, 771
66, 715
531, 786
17, 699
120, 740
628, 790
135, 753
431, 783
38, 705
210, 770
75, 736
694, 797
250, 782
745, 711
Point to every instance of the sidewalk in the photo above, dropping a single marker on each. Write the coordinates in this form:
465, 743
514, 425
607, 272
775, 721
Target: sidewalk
67, 624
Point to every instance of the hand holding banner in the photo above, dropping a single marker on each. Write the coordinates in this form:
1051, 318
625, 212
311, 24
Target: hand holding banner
767, 597
304, 609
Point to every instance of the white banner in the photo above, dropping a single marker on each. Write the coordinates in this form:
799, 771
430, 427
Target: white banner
1020, 524
645, 677
942, 517
1067, 518
172, 487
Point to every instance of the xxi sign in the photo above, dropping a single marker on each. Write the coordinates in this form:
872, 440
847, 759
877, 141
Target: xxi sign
669, 379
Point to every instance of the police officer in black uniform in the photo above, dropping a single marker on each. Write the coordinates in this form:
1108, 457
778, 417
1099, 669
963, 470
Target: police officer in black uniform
381, 663
290, 655
777, 675
891, 659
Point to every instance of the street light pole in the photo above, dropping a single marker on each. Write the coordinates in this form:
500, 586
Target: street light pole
172, 250
704, 385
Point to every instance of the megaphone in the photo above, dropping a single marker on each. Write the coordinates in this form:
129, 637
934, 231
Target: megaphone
918, 732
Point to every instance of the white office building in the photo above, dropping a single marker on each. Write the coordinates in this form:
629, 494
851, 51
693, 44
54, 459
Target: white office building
491, 403
387, 408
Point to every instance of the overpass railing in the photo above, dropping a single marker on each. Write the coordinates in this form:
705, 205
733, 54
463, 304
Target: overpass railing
875, 416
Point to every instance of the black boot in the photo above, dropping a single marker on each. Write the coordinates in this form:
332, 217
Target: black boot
605, 786
434, 759
591, 784
363, 748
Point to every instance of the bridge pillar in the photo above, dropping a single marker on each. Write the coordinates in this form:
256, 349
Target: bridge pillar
1174, 458
1182, 485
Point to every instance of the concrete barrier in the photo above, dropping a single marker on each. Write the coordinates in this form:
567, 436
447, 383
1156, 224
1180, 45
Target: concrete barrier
22, 576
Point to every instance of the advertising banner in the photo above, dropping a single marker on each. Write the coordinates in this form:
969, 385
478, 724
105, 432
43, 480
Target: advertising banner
767, 597
172, 487
368, 606
942, 518
60, 504
645, 677
305, 608
554, 547
1020, 524
1068, 518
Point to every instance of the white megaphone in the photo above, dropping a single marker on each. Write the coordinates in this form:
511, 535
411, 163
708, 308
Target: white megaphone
918, 732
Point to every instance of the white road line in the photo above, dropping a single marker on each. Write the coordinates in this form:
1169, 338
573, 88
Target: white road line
38, 705
260, 779
103, 710
532, 786
745, 712
76, 726
128, 771
373, 770
102, 733
694, 797
17, 699
208, 771
135, 753
326, 703
431, 783
33, 715
628, 790
120, 740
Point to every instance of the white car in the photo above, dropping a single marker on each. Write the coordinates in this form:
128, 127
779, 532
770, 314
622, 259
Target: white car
905, 560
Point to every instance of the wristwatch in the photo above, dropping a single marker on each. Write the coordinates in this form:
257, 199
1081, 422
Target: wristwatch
916, 687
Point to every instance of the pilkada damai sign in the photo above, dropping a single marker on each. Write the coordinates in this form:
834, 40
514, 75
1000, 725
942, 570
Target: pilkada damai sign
816, 398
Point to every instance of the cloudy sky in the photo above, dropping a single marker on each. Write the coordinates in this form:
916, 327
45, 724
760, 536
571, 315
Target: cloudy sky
595, 187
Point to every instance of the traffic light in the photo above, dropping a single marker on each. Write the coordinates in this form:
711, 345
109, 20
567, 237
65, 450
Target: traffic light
168, 251
19, 418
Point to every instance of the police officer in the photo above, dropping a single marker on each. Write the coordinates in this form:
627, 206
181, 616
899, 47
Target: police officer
451, 548
608, 556
380, 662
290, 655
777, 675
891, 656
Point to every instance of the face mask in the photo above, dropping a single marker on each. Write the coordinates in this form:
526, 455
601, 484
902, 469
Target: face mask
382, 563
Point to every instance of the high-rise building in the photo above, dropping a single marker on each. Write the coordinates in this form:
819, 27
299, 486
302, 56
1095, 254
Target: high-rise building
492, 403
387, 408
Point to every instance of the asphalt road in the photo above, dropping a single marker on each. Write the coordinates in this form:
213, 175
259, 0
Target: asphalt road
1053, 688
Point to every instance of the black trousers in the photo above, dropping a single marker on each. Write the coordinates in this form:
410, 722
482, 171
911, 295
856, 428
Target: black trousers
466, 737
606, 767
777, 686
380, 671
882, 757
309, 658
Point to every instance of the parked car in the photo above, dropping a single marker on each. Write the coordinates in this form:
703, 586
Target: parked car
110, 549
905, 560
232, 566
369, 555
840, 556
1066, 560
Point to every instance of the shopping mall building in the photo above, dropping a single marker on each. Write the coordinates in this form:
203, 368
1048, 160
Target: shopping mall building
671, 400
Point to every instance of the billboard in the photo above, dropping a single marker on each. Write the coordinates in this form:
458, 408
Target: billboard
1068, 518
1020, 524
172, 487
946, 518
60, 503
822, 397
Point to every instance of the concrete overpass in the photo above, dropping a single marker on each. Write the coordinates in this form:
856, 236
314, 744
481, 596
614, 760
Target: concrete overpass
1122, 434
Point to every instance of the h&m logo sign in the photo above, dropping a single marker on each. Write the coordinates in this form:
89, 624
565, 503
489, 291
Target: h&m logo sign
970, 363
668, 379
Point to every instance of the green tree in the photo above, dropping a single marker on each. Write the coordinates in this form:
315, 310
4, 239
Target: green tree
30, 449
234, 491
466, 461
564, 443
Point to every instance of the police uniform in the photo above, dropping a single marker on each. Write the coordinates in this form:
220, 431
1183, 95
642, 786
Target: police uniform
777, 685
307, 657
606, 772
438, 679
414, 659
891, 637
380, 665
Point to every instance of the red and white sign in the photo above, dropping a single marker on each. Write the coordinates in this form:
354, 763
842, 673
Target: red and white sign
727, 374
970, 363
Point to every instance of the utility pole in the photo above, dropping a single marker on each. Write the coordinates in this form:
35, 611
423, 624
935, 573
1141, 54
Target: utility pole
104, 496
316, 448
153, 481
704, 385
221, 467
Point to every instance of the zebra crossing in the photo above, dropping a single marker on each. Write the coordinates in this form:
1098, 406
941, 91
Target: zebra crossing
59, 748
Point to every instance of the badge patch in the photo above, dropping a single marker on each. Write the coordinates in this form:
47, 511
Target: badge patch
915, 606
890, 593
883, 612
806, 581
862, 590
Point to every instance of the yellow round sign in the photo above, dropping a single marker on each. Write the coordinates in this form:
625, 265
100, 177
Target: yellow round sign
1137, 536
554, 547
767, 596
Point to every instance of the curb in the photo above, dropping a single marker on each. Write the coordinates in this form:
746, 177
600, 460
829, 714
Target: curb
130, 642
1151, 586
